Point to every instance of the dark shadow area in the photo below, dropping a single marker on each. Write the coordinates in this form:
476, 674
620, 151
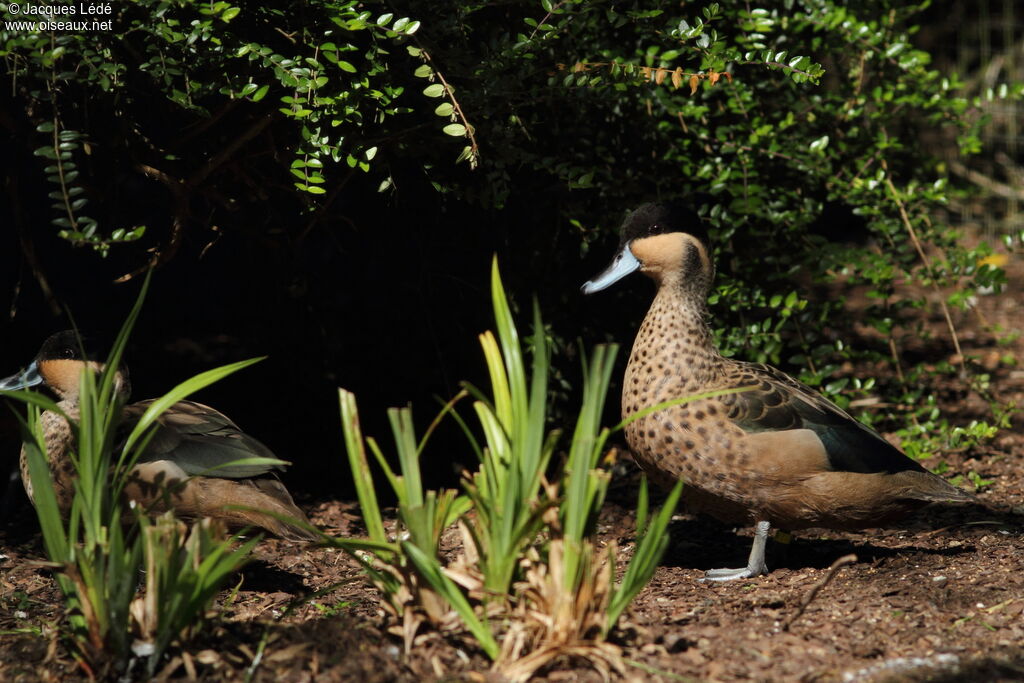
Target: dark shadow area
702, 542
259, 575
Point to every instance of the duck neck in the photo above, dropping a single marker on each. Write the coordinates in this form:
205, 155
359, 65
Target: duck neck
676, 327
691, 306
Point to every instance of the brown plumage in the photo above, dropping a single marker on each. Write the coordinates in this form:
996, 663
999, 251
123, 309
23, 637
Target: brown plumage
778, 454
190, 464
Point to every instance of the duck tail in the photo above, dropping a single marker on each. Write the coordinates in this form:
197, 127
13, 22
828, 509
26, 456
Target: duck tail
274, 498
284, 530
931, 488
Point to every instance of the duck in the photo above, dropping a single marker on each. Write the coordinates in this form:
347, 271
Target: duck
774, 453
187, 466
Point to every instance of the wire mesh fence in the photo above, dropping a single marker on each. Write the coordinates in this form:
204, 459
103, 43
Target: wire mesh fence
983, 42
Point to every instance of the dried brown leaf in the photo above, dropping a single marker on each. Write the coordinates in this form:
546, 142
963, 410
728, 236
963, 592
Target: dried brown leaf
190, 666
287, 653
677, 80
169, 670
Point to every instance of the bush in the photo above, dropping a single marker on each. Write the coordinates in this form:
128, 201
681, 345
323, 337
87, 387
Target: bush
796, 125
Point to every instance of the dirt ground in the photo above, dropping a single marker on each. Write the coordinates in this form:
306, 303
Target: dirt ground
939, 599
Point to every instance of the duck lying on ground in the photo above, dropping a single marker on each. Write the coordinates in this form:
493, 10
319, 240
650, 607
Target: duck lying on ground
187, 466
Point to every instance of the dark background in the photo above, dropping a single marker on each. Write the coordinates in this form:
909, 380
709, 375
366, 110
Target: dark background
388, 306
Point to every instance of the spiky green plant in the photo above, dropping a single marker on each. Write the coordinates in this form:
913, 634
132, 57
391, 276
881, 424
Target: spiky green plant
528, 542
186, 566
97, 552
408, 572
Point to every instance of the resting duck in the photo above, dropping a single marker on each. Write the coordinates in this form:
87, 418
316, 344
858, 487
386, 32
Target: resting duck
187, 464
777, 455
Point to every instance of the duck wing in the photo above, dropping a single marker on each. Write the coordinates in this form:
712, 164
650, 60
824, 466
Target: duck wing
201, 441
780, 403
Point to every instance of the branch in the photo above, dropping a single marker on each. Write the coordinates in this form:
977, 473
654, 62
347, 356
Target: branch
28, 251
252, 131
816, 588
982, 180
179, 191
927, 264
474, 147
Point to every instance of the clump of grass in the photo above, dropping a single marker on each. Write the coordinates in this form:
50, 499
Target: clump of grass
186, 566
530, 582
98, 552
402, 569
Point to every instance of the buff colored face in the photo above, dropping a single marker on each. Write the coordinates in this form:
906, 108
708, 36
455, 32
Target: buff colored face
667, 254
59, 366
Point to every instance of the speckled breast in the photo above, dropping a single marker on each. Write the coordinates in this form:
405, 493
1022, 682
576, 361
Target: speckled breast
692, 441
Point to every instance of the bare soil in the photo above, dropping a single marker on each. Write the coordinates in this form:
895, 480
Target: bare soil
939, 599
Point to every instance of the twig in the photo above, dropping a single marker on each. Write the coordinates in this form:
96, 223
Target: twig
657, 74
544, 21
324, 206
928, 266
816, 588
28, 252
205, 124
474, 147
983, 522
182, 192
981, 180
178, 190
249, 133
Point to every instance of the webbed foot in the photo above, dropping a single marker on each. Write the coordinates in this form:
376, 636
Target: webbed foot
755, 564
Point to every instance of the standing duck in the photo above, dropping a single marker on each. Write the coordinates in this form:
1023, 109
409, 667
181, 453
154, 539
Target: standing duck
776, 454
187, 464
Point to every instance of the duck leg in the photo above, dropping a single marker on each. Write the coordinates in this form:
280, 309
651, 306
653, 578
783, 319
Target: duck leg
755, 564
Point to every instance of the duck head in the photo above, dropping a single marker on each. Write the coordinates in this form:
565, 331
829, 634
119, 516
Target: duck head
59, 365
665, 241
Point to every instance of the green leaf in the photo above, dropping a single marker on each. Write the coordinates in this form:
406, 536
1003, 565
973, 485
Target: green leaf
444, 109
434, 90
820, 144
455, 129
